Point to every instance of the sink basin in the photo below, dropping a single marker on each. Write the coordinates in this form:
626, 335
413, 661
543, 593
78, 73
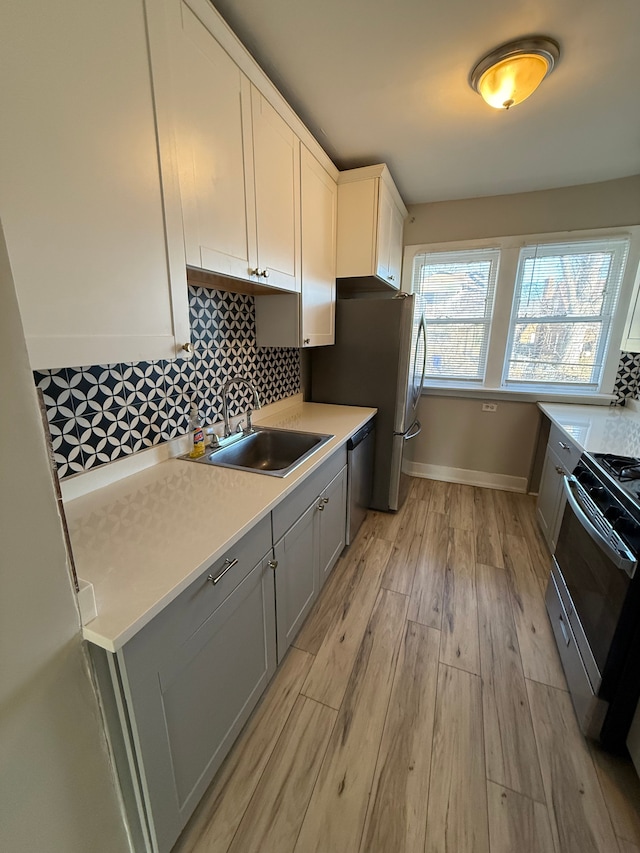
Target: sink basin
266, 451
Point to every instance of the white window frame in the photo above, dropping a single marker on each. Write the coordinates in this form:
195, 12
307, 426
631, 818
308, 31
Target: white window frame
485, 320
509, 248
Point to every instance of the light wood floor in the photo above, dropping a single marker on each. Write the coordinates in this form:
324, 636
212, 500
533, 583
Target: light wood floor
423, 707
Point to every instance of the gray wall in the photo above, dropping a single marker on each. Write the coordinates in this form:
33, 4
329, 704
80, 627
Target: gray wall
456, 433
57, 789
603, 205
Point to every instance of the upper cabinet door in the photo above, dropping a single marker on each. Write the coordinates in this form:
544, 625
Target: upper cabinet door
213, 105
87, 184
319, 209
371, 218
276, 158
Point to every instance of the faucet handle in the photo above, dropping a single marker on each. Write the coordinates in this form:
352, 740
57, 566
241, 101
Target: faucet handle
239, 427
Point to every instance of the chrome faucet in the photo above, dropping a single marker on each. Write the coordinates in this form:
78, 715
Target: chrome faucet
238, 380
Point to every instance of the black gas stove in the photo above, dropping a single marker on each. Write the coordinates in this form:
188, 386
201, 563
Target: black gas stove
622, 477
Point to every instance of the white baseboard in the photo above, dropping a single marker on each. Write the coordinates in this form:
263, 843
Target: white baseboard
469, 478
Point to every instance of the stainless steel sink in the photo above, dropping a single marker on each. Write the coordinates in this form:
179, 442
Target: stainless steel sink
266, 450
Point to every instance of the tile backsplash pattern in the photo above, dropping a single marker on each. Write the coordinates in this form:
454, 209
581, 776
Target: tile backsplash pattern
627, 383
100, 413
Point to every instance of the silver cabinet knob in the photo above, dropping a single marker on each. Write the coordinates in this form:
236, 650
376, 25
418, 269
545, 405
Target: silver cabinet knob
392, 278
273, 564
265, 273
559, 469
188, 347
306, 341
256, 271
321, 507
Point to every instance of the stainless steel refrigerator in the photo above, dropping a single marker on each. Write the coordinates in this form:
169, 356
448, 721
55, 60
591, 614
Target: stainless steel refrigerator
378, 360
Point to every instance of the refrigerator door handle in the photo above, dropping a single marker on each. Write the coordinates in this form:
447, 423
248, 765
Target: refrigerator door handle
414, 430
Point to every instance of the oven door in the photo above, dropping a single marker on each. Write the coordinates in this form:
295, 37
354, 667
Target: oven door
595, 566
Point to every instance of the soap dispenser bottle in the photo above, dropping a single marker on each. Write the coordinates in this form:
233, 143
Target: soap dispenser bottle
197, 433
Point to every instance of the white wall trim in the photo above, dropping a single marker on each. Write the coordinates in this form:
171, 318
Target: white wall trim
506, 482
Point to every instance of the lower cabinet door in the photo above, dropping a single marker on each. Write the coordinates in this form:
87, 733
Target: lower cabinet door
550, 498
296, 577
333, 516
187, 713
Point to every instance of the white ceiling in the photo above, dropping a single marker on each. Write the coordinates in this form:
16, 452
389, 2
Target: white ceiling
386, 81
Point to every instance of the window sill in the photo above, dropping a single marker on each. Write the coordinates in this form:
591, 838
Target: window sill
516, 395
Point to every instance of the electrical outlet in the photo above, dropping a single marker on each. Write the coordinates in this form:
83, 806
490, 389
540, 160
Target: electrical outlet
489, 407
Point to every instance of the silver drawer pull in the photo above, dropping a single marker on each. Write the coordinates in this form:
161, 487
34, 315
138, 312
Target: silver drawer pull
564, 446
229, 564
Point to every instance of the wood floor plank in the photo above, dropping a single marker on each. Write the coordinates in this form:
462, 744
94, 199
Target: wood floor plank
459, 645
510, 747
396, 818
272, 821
538, 549
215, 821
488, 544
627, 846
426, 602
336, 813
457, 810
579, 818
461, 499
507, 515
401, 567
382, 525
440, 497
540, 660
621, 789
420, 488
330, 671
517, 824
338, 588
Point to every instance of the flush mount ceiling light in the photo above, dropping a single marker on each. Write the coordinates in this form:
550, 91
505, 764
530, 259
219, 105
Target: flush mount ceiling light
513, 71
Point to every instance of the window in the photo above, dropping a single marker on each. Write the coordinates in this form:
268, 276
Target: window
455, 294
517, 316
564, 302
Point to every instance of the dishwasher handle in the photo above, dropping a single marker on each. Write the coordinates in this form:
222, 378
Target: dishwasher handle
362, 433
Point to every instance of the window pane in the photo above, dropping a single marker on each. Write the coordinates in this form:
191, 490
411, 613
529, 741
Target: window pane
564, 285
564, 301
455, 292
554, 352
455, 350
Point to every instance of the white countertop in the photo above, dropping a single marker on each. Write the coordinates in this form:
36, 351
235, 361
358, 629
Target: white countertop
144, 539
598, 429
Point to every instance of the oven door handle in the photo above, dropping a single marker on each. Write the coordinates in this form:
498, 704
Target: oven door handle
624, 561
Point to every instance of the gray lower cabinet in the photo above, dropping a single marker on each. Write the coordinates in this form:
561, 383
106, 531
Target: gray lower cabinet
332, 523
305, 556
176, 696
561, 458
184, 695
296, 576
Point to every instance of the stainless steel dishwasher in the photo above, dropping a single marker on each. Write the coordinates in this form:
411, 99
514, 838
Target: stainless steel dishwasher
360, 452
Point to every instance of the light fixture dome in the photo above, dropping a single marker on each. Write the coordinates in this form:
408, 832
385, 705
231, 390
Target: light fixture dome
509, 74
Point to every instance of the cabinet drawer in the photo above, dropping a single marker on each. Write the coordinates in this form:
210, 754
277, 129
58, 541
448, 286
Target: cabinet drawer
292, 507
568, 452
182, 618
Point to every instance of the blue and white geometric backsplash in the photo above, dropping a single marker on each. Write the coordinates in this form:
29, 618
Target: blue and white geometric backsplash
100, 413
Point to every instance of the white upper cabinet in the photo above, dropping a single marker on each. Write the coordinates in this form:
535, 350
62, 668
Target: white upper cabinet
276, 159
371, 217
307, 320
88, 191
213, 128
238, 161
319, 215
631, 338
